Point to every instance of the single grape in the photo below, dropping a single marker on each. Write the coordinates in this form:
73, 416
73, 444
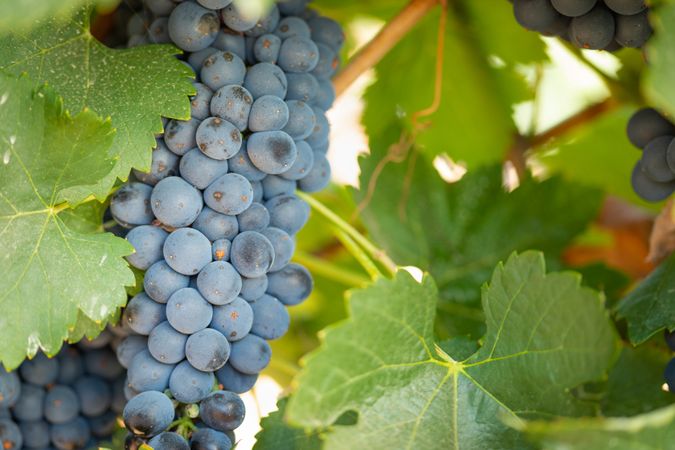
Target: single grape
266, 79
199, 170
327, 64
253, 288
273, 152
233, 380
188, 312
70, 365
633, 31
189, 385
175, 202
161, 281
104, 425
215, 225
534, 15
103, 363
654, 162
233, 320
40, 370
222, 69
220, 250
222, 411
257, 190
231, 41
302, 166
255, 218
207, 350
30, 404
35, 434
242, 165
215, 5
319, 175
233, 104
648, 189
148, 414
276, 185
270, 318
169, 440
160, 7
147, 374
647, 124
142, 314
200, 103
266, 24
573, 8
164, 164
327, 31
626, 7
93, 394
325, 96
302, 86
196, 61
147, 242
266, 48
61, 404
10, 388
284, 247
594, 30
218, 139
130, 205
288, 212
219, 283
230, 194
187, 251
291, 285
238, 20
179, 135
158, 33
292, 26
250, 355
252, 254
292, 7
321, 132
71, 435
268, 113
129, 348
209, 439
166, 344
193, 28
298, 55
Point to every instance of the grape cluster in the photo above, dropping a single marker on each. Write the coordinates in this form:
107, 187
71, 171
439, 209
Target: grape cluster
68, 402
669, 373
592, 24
214, 221
653, 177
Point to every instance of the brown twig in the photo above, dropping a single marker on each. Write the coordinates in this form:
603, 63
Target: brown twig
382, 43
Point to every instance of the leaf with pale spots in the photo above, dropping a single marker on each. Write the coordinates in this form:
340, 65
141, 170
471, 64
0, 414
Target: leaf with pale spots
134, 87
53, 265
545, 335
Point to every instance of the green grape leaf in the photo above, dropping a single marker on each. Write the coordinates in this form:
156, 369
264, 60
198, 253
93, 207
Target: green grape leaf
658, 83
603, 149
649, 308
51, 268
134, 87
545, 335
634, 383
16, 14
479, 80
654, 430
276, 434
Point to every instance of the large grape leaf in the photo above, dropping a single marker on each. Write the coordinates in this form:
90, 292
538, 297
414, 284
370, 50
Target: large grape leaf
52, 266
134, 87
474, 86
23, 13
546, 334
649, 308
654, 430
276, 434
661, 70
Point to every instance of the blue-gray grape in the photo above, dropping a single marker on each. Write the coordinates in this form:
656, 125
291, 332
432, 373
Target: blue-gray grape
266, 79
266, 48
241, 164
250, 355
291, 285
147, 242
252, 254
270, 318
299, 169
288, 212
166, 344
142, 314
255, 218
148, 414
301, 120
188, 312
284, 247
169, 440
298, 54
61, 404
275, 185
130, 205
302, 86
161, 281
129, 348
207, 350
218, 139
222, 411
71, 435
219, 283
179, 135
266, 24
215, 225
328, 62
318, 176
30, 404
200, 170
192, 27
94, 395
327, 31
233, 320
10, 388
233, 104
238, 20
189, 385
145, 373
220, 249
235, 381
231, 41
273, 152
187, 251
221, 69
253, 288
230, 194
164, 164
209, 439
200, 103
268, 113
40, 370
175, 202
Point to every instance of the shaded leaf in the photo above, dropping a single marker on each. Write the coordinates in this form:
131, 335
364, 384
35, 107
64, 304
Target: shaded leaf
276, 434
23, 13
661, 70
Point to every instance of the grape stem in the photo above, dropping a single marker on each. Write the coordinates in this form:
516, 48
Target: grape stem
369, 55
374, 252
361, 256
322, 267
